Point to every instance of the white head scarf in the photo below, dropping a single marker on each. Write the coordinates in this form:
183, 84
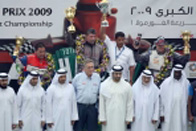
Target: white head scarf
115, 68
55, 80
4, 76
146, 73
137, 86
178, 67
109, 82
171, 78
26, 82
139, 90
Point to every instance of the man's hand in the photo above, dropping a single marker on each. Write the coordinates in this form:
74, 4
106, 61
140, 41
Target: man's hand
162, 118
133, 119
103, 33
50, 125
130, 82
128, 122
72, 123
42, 123
103, 123
154, 121
191, 118
14, 126
20, 124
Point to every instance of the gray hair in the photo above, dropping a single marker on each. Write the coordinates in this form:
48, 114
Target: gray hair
88, 60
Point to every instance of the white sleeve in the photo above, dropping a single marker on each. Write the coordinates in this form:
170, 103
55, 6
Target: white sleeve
133, 108
74, 82
49, 105
129, 110
43, 106
102, 108
161, 106
131, 61
74, 115
108, 42
156, 110
14, 110
19, 103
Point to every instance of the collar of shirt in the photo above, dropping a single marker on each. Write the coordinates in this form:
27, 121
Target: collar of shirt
89, 44
118, 51
122, 48
87, 76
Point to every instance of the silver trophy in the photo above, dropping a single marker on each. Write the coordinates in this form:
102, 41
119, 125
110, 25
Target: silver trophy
104, 7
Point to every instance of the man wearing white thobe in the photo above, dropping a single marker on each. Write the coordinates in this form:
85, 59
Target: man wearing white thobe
31, 103
146, 103
115, 103
174, 98
61, 107
8, 105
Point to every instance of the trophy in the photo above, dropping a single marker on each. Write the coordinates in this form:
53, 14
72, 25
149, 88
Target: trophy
186, 35
70, 14
104, 7
19, 42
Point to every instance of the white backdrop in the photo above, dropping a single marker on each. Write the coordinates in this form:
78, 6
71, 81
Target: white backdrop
141, 16
39, 18
149, 17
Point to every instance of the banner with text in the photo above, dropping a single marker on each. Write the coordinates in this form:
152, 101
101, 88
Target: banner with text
38, 18
154, 18
32, 18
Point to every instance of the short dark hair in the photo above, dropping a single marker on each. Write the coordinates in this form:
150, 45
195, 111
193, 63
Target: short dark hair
91, 31
39, 45
119, 34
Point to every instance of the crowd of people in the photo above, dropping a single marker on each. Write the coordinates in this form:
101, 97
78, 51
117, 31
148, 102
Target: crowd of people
89, 101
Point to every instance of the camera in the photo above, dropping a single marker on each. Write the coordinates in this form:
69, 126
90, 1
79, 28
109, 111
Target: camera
138, 38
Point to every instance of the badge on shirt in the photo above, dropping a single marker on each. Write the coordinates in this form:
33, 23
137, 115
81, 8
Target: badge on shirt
95, 84
155, 60
83, 83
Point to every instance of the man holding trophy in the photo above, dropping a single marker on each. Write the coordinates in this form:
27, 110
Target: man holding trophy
104, 7
119, 54
38, 61
161, 60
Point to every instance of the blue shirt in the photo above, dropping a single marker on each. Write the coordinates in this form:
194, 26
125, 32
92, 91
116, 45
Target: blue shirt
86, 88
191, 90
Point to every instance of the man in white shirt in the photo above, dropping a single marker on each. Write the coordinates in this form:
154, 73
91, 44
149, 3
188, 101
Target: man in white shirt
31, 103
115, 102
61, 107
146, 103
174, 100
8, 106
120, 54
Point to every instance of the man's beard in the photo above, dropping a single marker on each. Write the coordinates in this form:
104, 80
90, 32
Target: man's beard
116, 79
3, 86
177, 78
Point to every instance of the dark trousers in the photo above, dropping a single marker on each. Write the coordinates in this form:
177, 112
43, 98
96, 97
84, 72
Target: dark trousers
88, 118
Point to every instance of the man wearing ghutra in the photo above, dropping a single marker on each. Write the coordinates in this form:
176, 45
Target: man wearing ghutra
8, 105
146, 103
115, 102
174, 98
31, 103
61, 107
